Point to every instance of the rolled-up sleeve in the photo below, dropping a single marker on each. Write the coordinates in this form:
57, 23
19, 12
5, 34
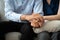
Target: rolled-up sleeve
38, 7
9, 11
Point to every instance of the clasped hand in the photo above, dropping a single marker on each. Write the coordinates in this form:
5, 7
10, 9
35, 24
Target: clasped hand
36, 20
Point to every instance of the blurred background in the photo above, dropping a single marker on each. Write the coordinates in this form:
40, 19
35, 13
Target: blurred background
2, 18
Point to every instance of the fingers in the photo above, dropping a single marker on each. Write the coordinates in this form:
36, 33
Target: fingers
35, 25
40, 21
40, 24
37, 20
39, 17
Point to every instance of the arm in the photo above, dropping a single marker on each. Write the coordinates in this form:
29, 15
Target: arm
9, 11
53, 17
38, 12
13, 16
38, 7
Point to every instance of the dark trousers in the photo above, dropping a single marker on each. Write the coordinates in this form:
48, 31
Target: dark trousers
49, 36
24, 28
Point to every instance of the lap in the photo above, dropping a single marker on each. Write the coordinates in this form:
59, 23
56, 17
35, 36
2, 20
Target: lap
6, 27
50, 26
11, 26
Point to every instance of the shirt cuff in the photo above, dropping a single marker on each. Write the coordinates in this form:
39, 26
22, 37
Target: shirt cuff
17, 17
13, 16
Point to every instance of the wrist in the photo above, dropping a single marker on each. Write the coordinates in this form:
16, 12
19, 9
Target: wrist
27, 17
23, 17
44, 17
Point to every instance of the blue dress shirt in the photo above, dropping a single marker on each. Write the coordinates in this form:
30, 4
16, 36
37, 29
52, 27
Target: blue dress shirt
14, 9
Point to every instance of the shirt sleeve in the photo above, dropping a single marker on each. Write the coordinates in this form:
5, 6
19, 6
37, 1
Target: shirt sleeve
38, 7
59, 9
9, 11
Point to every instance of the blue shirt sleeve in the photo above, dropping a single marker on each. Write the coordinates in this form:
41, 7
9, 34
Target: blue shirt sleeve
38, 7
9, 11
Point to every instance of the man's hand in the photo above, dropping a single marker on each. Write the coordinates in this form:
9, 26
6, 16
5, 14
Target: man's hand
35, 19
34, 23
26, 17
38, 21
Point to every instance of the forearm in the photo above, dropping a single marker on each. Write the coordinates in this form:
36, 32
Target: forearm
13, 16
24, 17
53, 17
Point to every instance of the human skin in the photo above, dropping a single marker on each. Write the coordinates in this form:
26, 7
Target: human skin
53, 17
36, 20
